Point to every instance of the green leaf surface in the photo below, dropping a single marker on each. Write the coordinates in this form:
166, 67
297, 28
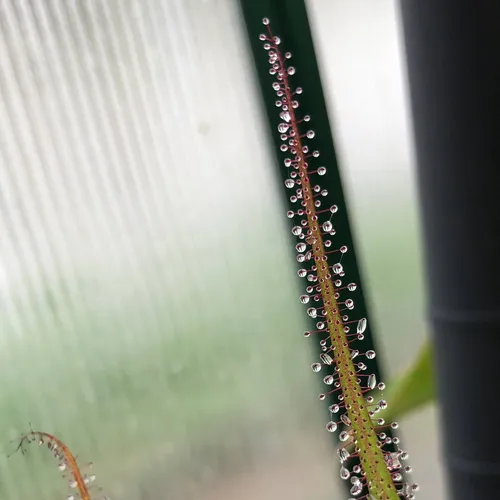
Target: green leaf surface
413, 389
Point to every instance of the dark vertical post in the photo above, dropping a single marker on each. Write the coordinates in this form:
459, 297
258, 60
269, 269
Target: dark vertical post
453, 58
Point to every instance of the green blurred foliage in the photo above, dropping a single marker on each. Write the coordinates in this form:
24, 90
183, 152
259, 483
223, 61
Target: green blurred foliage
413, 389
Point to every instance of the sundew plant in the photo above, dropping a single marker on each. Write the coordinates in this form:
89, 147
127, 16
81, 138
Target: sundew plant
371, 458
81, 484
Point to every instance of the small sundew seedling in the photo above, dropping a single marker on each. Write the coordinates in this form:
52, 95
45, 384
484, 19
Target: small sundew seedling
371, 460
79, 482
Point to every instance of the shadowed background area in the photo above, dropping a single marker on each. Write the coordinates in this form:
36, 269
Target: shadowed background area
148, 299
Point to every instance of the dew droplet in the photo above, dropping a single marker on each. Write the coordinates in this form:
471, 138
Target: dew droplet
310, 134
321, 171
357, 488
296, 230
352, 286
316, 367
392, 461
283, 127
327, 226
302, 273
285, 115
334, 209
300, 247
343, 454
344, 436
337, 268
290, 70
361, 325
326, 358
265, 21
304, 299
372, 381
334, 408
313, 312
381, 386
331, 426
370, 354
344, 472
345, 419
328, 380
290, 214
343, 249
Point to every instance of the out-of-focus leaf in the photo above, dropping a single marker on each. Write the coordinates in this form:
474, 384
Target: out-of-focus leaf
414, 388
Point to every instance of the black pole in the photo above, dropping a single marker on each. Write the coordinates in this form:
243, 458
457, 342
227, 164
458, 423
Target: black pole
453, 57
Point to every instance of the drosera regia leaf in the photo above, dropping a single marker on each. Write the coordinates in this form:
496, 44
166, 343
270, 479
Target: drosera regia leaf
80, 483
371, 460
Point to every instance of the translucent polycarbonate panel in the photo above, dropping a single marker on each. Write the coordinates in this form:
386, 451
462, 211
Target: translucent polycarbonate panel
149, 312
363, 68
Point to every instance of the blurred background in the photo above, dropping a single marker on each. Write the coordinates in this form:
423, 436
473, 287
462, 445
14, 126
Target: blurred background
148, 298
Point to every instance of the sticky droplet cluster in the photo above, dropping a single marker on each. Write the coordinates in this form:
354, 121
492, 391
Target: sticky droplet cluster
370, 457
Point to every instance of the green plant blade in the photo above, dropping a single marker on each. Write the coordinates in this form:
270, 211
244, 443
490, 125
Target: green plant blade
367, 452
414, 389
